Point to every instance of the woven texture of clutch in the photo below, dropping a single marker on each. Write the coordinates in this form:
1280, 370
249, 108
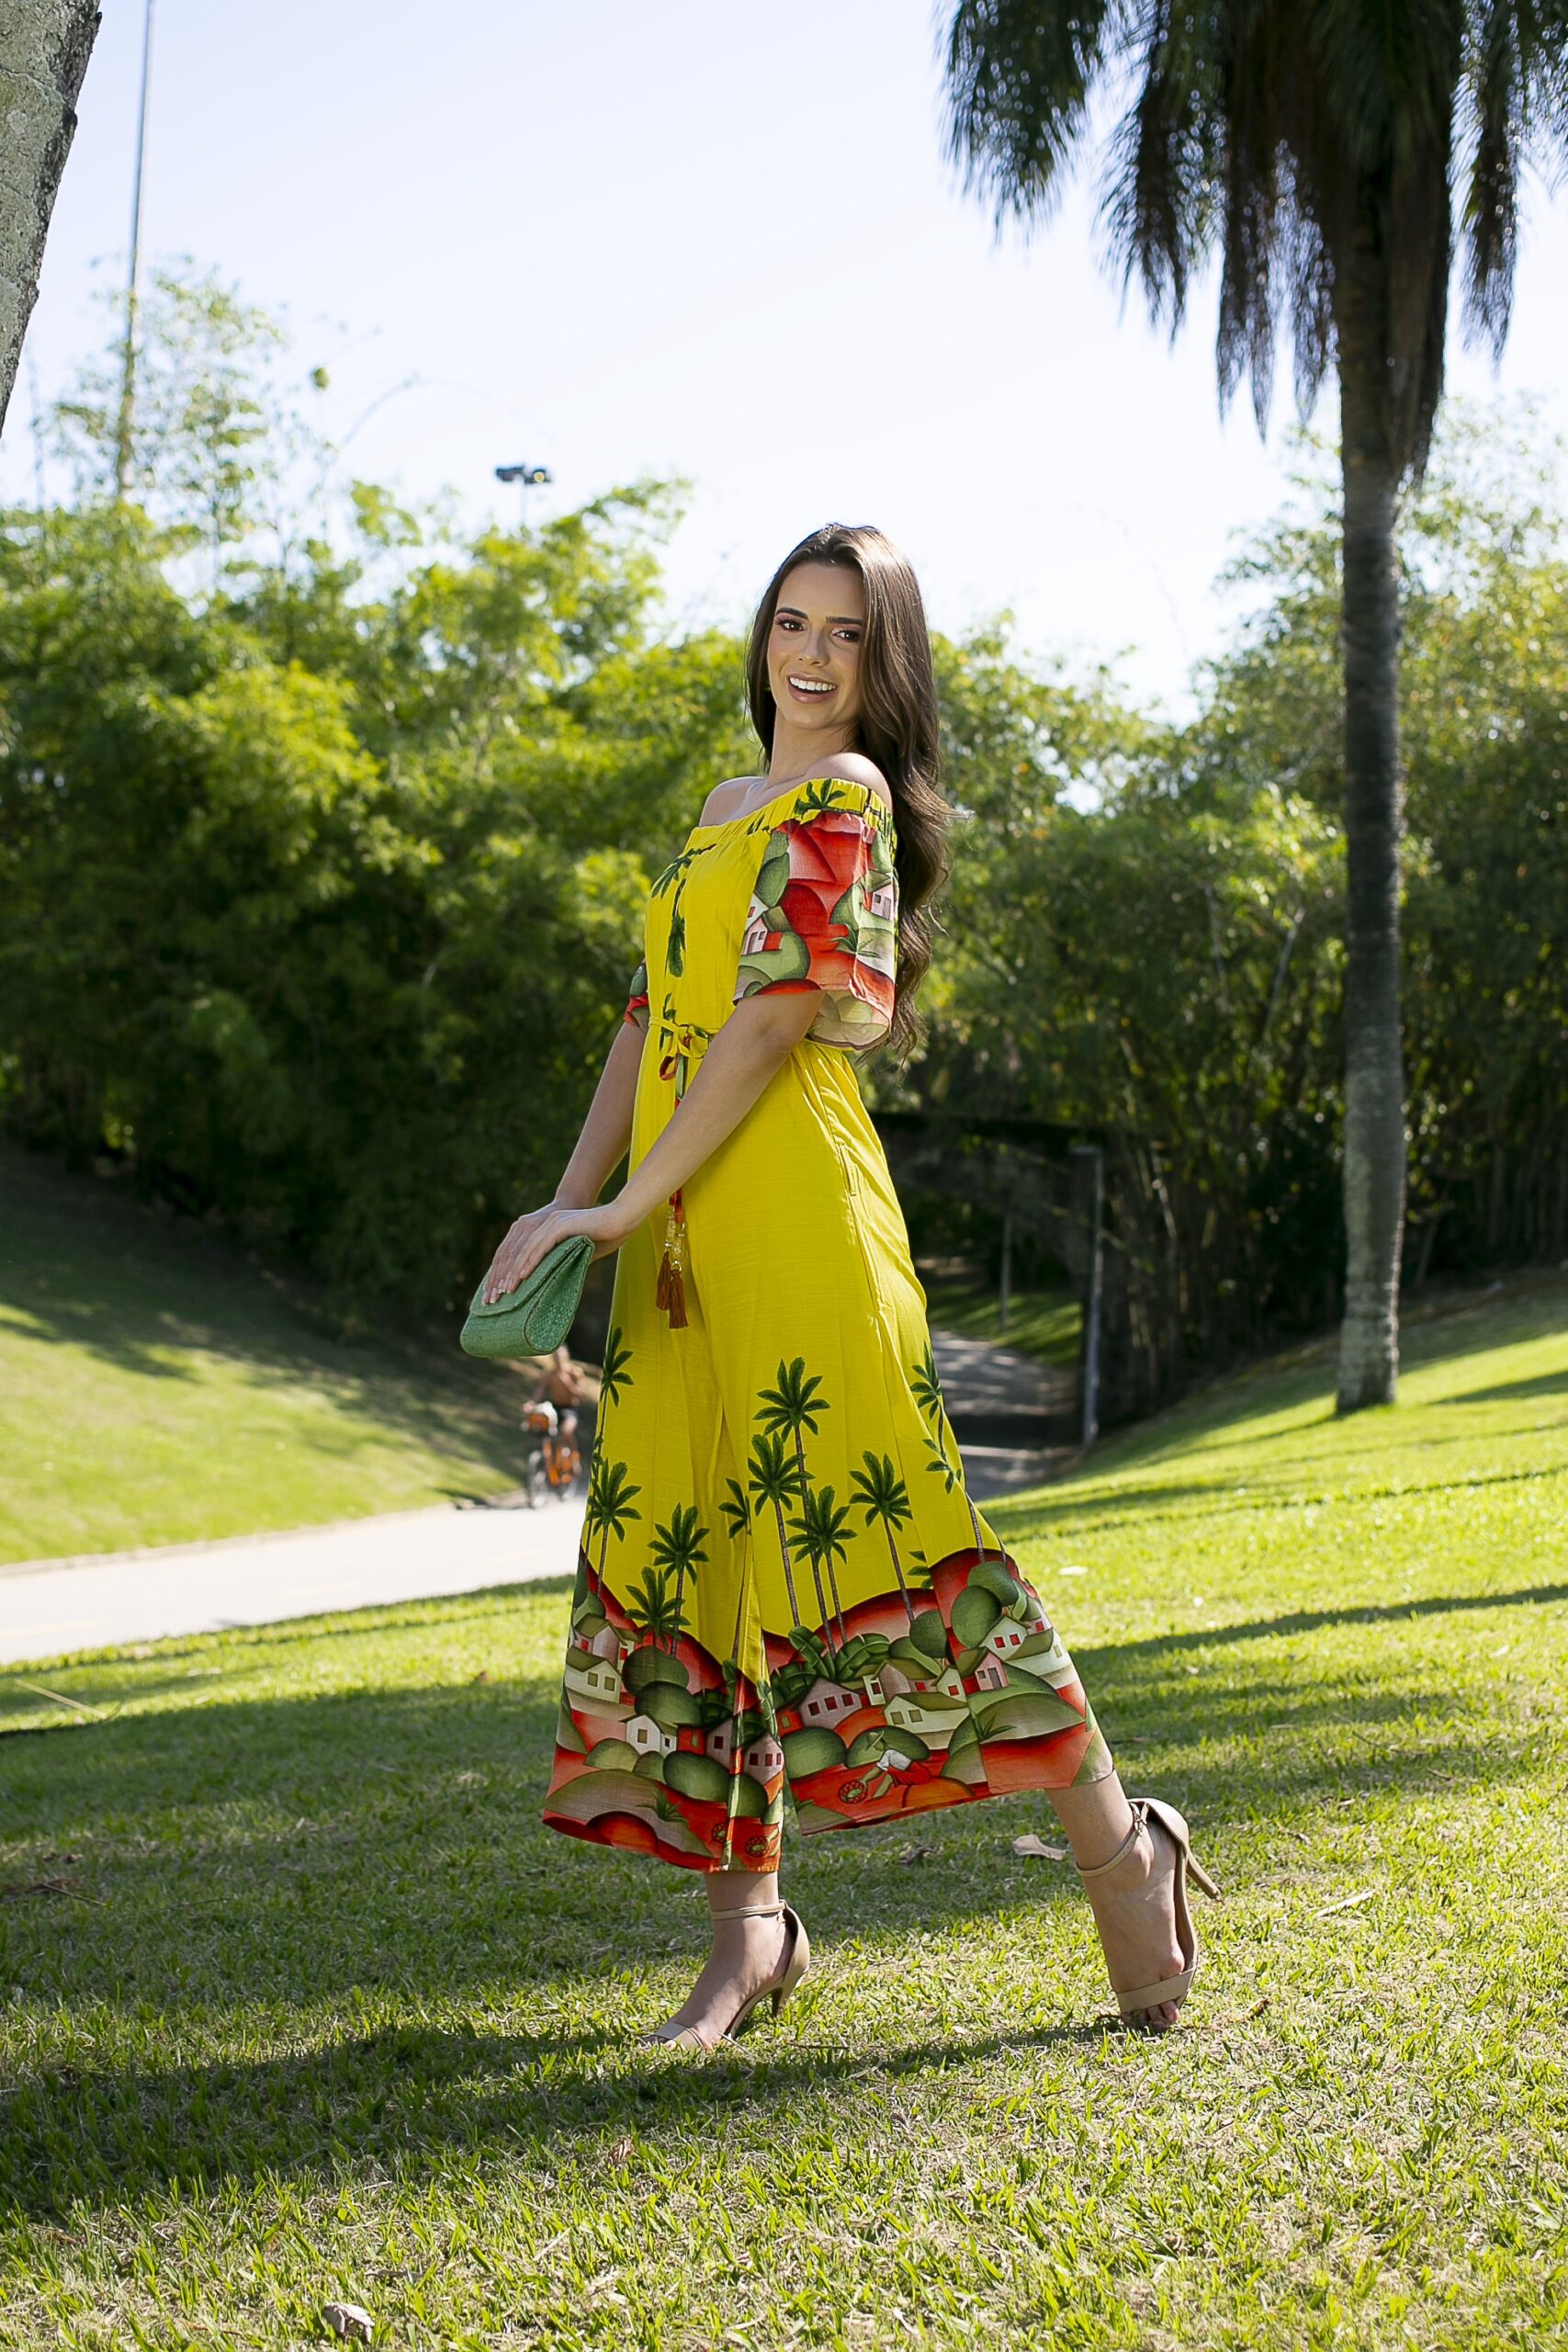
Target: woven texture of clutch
532, 1320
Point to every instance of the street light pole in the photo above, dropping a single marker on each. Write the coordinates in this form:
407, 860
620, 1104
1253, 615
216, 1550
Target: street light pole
122, 458
527, 477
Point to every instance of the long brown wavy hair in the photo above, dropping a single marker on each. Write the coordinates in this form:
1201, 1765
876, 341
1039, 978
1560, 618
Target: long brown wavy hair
898, 728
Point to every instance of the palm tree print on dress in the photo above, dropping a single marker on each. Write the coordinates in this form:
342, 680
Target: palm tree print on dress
772, 1472
609, 1508
790, 1405
882, 1495
613, 1381
614, 1377
653, 1608
927, 1392
738, 1511
677, 1550
818, 1526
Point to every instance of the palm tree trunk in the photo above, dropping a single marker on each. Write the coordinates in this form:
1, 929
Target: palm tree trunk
44, 48
838, 1604
1374, 1087
898, 1571
816, 1569
784, 1555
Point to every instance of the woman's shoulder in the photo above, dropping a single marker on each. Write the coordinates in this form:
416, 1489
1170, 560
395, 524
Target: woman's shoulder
725, 799
738, 793
853, 767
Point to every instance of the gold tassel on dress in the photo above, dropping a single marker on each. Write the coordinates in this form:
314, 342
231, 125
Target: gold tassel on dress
671, 1293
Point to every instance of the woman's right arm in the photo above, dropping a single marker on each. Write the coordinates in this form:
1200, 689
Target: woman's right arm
608, 1130
599, 1148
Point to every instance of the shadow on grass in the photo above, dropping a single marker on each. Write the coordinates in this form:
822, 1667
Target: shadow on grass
1464, 1325
1507, 1392
1018, 1521
81, 1268
1311, 1620
274, 1872
406, 2098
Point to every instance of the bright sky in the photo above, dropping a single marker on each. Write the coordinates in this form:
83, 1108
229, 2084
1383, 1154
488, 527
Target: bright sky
716, 237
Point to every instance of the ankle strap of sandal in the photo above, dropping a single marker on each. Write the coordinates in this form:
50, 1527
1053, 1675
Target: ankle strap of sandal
1140, 1823
753, 1911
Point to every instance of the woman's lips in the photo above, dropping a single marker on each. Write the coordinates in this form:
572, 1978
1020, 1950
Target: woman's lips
820, 690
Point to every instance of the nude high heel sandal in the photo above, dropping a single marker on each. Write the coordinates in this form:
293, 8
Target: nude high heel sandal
780, 1986
1147, 1812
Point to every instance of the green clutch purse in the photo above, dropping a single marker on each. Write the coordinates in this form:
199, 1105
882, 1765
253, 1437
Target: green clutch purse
532, 1320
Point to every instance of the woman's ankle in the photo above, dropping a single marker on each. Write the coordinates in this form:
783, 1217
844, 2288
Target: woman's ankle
1097, 1822
741, 1897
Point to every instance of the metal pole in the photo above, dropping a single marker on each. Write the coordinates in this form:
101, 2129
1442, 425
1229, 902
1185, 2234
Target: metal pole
122, 459
1092, 1303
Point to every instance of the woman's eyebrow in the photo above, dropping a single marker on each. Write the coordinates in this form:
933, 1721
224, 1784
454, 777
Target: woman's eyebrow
835, 620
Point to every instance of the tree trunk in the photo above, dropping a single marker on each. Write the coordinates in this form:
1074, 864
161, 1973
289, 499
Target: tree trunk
1374, 1087
44, 48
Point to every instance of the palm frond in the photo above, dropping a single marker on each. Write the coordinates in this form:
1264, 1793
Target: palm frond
1019, 77
1315, 147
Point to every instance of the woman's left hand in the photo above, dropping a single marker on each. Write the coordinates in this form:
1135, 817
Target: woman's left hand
534, 1237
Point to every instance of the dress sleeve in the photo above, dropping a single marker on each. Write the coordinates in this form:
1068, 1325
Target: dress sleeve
636, 999
824, 914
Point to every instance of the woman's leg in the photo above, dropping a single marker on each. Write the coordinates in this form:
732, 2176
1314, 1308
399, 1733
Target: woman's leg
1134, 1904
746, 1952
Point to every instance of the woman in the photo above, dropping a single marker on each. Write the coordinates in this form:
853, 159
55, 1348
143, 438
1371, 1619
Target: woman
781, 1575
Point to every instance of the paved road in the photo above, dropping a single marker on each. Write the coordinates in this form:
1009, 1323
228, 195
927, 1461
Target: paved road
1009, 1413
52, 1606
49, 1607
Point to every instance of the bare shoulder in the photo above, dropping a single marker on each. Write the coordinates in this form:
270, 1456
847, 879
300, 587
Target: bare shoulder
725, 799
855, 768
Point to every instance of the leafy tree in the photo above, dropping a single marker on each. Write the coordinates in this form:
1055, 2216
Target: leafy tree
324, 877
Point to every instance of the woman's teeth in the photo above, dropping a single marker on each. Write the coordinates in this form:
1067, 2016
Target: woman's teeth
812, 686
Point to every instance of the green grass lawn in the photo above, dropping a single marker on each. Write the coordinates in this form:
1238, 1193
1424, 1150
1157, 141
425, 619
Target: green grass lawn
299, 2003
1043, 1323
157, 1386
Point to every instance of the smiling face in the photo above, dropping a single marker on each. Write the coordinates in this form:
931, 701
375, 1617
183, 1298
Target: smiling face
814, 651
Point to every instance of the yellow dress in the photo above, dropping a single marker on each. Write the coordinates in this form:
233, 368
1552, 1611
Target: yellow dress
783, 1584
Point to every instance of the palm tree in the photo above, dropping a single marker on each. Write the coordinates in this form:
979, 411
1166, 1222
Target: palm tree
738, 1519
793, 1406
678, 1548
772, 1472
613, 1381
882, 1494
1320, 145
608, 1509
614, 1378
737, 1512
654, 1609
820, 1525
44, 48
926, 1389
